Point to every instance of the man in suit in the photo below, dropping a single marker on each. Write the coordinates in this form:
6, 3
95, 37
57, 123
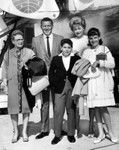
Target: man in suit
45, 46
62, 80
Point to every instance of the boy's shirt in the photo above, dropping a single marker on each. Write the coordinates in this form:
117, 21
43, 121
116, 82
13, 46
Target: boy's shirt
66, 60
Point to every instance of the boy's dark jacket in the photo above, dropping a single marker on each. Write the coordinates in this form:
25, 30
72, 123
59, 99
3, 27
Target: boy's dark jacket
58, 73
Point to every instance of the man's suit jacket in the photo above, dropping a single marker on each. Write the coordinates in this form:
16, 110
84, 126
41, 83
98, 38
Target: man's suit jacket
38, 46
58, 73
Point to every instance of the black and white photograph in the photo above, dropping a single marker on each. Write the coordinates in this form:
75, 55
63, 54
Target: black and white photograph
59, 74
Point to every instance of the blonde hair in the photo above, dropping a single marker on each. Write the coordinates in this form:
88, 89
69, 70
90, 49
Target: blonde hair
77, 20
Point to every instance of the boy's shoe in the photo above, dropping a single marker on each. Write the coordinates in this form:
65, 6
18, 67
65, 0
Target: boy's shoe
71, 139
55, 140
42, 134
63, 133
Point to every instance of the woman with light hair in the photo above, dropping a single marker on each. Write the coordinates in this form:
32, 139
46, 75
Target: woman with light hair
80, 42
79, 39
18, 102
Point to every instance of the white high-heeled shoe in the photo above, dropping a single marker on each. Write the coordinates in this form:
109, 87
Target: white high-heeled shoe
99, 139
114, 139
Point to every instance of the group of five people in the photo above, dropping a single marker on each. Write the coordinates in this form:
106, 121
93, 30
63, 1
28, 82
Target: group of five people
60, 55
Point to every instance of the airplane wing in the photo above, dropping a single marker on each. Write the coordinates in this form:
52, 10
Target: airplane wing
34, 9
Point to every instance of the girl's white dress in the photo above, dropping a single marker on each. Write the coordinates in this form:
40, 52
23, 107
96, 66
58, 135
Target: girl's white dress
100, 88
79, 44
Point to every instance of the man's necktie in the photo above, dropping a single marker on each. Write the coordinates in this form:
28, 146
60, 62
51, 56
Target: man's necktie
48, 47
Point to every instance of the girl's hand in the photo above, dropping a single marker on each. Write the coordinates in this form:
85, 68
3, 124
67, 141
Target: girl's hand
93, 69
95, 64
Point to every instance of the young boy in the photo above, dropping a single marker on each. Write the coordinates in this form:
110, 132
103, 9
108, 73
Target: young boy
62, 82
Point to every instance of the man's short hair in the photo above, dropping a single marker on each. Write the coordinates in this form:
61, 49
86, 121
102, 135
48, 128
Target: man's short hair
46, 19
68, 41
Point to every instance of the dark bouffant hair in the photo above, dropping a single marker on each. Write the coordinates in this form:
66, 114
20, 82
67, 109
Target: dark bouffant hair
94, 31
68, 41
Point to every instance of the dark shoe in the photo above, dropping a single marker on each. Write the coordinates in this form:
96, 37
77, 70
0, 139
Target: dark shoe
55, 140
63, 133
42, 134
71, 139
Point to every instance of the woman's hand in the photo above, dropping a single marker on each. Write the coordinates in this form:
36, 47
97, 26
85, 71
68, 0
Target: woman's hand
4, 82
4, 85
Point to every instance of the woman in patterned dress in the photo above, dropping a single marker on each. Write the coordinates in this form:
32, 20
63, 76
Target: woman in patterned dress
100, 88
13, 62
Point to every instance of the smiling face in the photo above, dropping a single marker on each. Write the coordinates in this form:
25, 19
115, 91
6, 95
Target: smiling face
78, 31
94, 40
66, 49
18, 41
46, 27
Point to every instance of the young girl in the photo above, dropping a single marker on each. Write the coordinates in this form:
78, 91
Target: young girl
100, 88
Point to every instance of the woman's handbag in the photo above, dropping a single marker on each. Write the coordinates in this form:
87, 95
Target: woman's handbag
101, 56
39, 85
